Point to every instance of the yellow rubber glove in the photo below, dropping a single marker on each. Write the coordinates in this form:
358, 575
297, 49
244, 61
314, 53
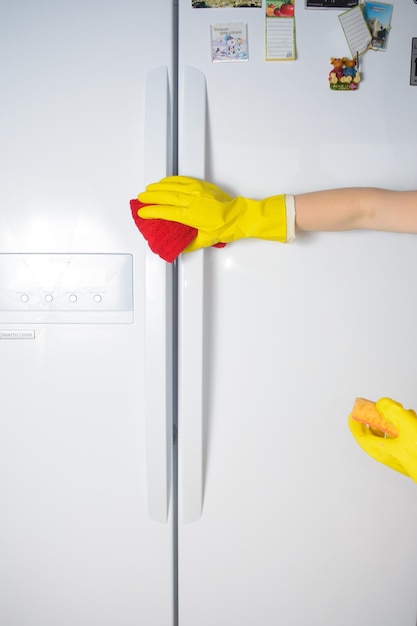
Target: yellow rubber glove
399, 453
216, 216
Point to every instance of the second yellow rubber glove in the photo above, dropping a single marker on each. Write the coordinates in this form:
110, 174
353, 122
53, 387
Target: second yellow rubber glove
216, 216
399, 453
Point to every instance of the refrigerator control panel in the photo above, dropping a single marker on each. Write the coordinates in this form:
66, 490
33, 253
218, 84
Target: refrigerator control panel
66, 288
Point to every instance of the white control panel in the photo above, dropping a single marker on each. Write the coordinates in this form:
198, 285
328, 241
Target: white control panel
66, 288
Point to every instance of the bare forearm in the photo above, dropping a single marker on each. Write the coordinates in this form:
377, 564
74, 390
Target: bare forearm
357, 208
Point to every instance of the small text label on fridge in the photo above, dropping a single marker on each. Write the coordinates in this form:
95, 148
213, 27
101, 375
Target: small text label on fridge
17, 334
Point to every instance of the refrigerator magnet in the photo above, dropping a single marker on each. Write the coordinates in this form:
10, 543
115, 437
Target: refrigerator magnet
280, 8
331, 4
378, 18
356, 31
280, 31
229, 42
344, 75
225, 4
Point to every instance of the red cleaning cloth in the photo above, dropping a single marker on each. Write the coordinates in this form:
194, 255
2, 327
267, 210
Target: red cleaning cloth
167, 239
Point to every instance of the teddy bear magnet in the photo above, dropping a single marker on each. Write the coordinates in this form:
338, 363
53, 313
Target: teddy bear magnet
344, 75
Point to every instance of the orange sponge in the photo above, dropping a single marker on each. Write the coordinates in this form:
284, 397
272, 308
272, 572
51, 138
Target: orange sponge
365, 411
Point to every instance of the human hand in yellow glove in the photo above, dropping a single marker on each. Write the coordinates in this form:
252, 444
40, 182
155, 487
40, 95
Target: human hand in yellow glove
216, 216
389, 435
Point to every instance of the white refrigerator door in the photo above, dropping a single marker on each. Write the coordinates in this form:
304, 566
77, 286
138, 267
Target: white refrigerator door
298, 525
79, 543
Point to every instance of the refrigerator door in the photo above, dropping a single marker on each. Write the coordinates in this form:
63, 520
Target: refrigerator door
79, 541
298, 525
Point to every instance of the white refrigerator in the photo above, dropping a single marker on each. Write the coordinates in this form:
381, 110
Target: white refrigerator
174, 447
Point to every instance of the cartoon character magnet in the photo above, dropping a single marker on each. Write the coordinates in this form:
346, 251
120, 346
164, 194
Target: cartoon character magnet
344, 75
229, 42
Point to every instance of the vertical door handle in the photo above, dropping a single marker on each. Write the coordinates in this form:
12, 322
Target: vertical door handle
191, 308
158, 314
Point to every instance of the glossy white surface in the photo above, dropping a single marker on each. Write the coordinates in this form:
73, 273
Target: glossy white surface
191, 384
76, 540
66, 288
191, 319
157, 298
298, 524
